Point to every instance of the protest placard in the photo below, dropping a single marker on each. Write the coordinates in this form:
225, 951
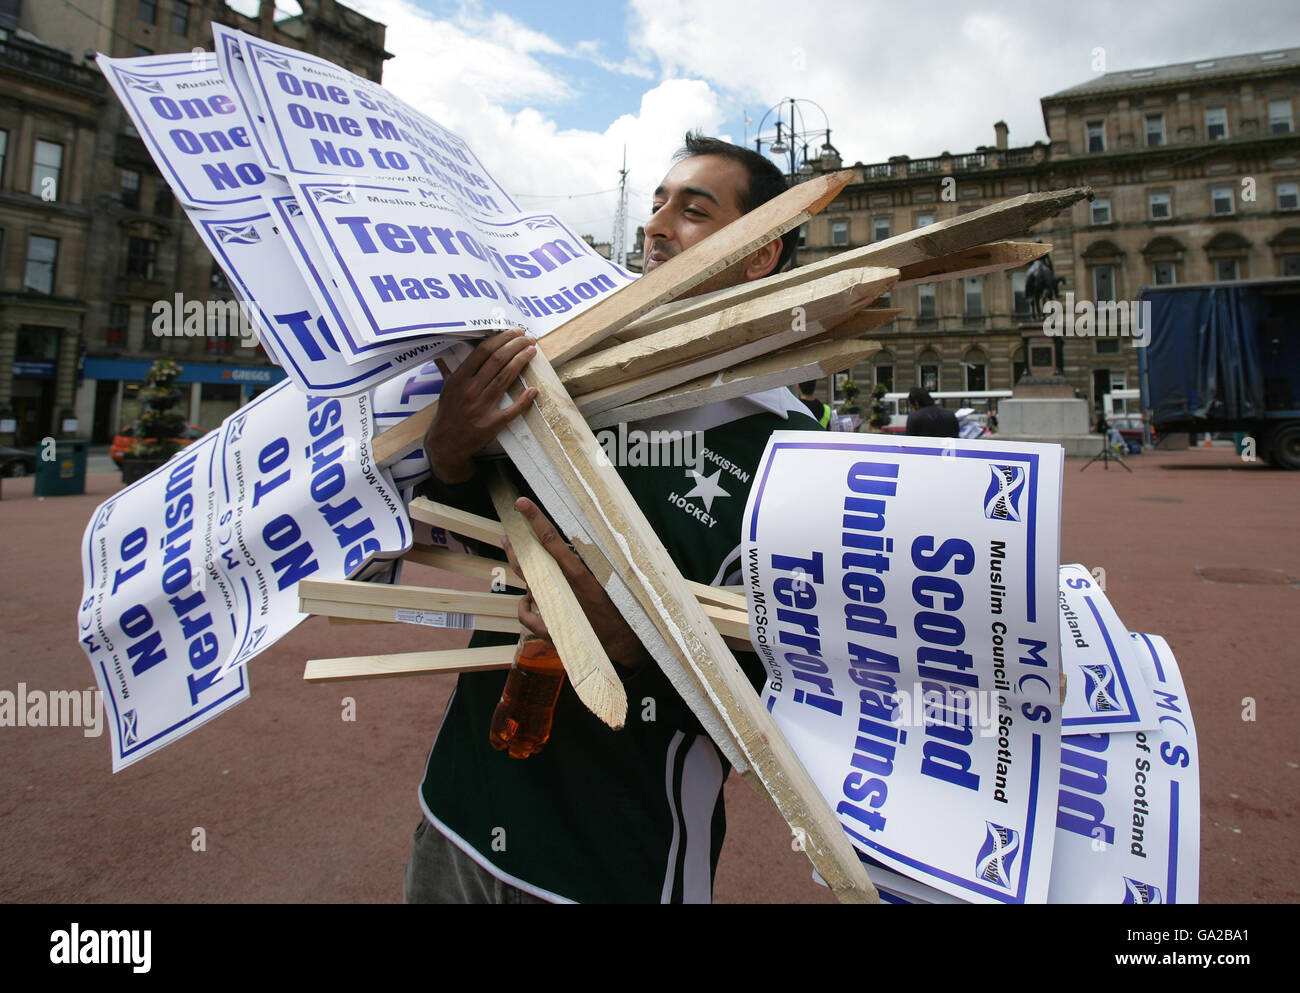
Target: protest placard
192, 571
407, 263
902, 596
312, 346
323, 120
1105, 690
192, 124
396, 400
1128, 824
230, 60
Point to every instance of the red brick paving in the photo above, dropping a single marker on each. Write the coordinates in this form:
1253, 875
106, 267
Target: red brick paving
300, 806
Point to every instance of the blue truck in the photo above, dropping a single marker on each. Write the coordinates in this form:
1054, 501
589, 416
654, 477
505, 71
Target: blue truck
1225, 357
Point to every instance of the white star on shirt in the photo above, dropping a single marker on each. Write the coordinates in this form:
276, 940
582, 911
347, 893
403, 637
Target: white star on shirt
706, 488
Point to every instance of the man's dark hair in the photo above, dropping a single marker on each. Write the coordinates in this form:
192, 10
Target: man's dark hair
766, 181
920, 396
807, 388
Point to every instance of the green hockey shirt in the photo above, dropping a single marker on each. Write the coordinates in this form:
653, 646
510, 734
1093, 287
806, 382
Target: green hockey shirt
605, 816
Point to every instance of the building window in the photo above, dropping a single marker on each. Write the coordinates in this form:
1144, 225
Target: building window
41, 255
137, 51
130, 189
1096, 136
1101, 210
928, 374
974, 286
1216, 123
1163, 273
925, 303
1279, 116
1155, 130
803, 236
1103, 283
180, 18
976, 372
1019, 299
885, 374
119, 320
141, 257
1221, 200
1289, 264
924, 220
1226, 269
1107, 346
839, 233
881, 228
46, 168
218, 280
1288, 196
1160, 206
147, 11
4, 147
162, 200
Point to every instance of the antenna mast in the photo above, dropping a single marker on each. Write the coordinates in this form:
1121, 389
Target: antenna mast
618, 254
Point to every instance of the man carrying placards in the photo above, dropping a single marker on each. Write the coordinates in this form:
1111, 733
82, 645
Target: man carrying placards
603, 816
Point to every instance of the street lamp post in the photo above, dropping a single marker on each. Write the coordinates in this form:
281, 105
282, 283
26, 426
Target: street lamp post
793, 135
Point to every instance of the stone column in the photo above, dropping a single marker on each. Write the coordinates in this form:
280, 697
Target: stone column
8, 348
65, 378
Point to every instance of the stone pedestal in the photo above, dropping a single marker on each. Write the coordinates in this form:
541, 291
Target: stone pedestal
1059, 420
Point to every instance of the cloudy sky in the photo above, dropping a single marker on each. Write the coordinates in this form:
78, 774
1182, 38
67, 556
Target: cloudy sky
548, 93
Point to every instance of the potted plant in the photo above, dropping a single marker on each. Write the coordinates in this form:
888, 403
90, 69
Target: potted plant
879, 419
850, 390
159, 426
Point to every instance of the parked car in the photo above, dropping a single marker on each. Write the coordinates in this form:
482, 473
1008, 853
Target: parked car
126, 438
17, 461
1129, 427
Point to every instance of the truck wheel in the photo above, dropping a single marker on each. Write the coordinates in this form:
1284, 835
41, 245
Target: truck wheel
1284, 447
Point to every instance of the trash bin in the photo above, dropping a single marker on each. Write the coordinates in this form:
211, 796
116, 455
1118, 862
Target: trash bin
66, 474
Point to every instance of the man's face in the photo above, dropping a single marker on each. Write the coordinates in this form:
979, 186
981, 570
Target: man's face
699, 195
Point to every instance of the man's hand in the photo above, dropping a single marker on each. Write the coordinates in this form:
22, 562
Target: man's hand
616, 635
468, 417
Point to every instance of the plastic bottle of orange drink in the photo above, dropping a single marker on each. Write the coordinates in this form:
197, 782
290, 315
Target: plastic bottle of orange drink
522, 720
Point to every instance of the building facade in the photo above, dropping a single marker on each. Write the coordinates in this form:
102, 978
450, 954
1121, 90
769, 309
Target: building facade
1196, 174
85, 257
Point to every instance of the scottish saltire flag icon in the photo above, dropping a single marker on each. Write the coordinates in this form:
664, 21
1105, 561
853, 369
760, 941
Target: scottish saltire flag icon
339, 194
1136, 892
130, 731
237, 236
1002, 498
540, 222
141, 83
279, 61
253, 642
993, 864
237, 427
1099, 688
108, 512
292, 209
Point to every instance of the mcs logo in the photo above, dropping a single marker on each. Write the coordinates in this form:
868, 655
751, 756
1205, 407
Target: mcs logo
999, 851
1135, 892
1002, 498
1099, 688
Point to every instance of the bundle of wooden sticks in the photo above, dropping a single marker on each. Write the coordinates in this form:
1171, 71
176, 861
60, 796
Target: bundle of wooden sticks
646, 351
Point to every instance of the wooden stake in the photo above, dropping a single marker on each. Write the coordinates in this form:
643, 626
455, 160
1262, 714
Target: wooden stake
590, 671
410, 664
557, 452
976, 261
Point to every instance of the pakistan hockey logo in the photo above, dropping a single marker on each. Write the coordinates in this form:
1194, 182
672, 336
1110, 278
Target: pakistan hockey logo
993, 864
1099, 688
1136, 892
1002, 498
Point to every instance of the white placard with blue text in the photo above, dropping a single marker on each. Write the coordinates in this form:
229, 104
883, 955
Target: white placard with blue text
1105, 691
193, 124
1128, 828
407, 263
902, 595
